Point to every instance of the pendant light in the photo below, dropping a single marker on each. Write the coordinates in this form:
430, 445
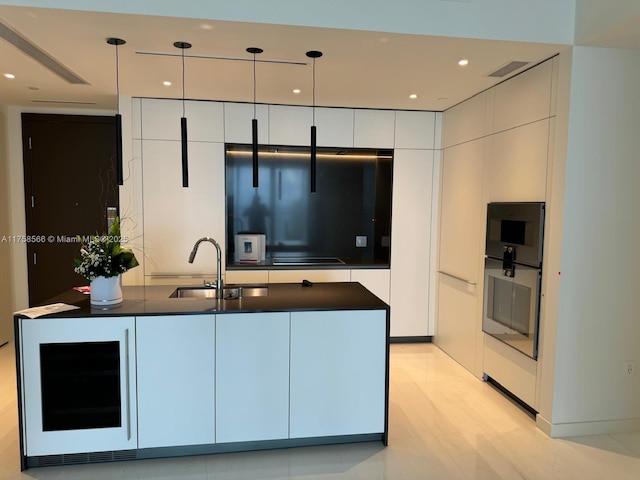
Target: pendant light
312, 179
117, 42
183, 122
254, 123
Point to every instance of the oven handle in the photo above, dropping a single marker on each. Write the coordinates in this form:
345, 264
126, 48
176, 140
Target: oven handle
457, 277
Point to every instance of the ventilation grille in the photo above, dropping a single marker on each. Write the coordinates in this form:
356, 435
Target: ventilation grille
77, 458
43, 58
507, 68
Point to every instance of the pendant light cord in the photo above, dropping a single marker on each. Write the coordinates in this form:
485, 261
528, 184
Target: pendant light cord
117, 81
254, 85
313, 94
183, 109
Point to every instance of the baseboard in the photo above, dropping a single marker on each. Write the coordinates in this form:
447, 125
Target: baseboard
578, 429
425, 339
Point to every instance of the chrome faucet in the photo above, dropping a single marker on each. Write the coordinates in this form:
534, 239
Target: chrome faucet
192, 256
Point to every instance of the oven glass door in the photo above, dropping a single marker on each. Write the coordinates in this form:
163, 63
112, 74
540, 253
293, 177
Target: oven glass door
511, 305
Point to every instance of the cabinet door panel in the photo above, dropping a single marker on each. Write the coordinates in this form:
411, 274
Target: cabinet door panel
237, 123
174, 216
374, 129
289, 125
337, 373
252, 377
415, 130
375, 280
518, 164
334, 127
523, 99
462, 214
175, 380
411, 242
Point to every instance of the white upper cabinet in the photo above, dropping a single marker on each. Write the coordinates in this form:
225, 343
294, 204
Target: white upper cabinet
205, 121
374, 129
518, 164
524, 98
161, 120
237, 123
415, 130
334, 127
174, 216
289, 125
136, 118
465, 121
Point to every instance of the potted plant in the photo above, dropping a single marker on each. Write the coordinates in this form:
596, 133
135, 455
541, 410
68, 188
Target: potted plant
102, 260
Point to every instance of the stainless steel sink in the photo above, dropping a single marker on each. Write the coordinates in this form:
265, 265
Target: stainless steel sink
229, 292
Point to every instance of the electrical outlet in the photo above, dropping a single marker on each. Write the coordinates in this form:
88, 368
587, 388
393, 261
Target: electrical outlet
361, 240
629, 368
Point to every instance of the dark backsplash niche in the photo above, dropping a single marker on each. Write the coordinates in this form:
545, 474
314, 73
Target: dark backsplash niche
352, 198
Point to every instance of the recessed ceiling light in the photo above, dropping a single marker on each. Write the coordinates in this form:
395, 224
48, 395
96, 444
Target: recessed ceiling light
463, 62
9, 75
443, 98
166, 83
296, 91
413, 96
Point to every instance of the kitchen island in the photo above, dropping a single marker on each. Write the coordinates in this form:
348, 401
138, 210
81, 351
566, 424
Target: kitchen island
163, 376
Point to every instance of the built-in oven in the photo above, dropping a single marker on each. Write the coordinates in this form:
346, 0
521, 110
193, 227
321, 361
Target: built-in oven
513, 274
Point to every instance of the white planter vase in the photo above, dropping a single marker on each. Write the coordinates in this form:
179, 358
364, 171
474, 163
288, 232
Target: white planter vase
106, 291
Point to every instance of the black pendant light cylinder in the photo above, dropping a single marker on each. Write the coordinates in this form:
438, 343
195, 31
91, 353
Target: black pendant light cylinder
312, 177
116, 42
254, 122
313, 54
254, 141
183, 121
119, 173
185, 159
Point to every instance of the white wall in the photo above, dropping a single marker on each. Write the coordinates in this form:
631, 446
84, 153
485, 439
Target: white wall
598, 324
546, 21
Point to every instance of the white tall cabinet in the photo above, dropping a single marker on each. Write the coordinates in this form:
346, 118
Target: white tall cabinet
496, 149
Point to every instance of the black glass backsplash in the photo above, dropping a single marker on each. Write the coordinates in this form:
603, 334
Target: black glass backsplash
353, 198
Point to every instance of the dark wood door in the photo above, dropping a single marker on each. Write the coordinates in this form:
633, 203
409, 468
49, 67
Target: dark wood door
70, 180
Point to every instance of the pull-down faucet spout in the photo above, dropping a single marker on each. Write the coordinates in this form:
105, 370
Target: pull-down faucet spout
192, 256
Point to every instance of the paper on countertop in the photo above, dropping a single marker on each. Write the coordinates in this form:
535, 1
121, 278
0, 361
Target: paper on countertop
36, 312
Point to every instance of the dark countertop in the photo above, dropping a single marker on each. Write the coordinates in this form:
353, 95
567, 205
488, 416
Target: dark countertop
154, 300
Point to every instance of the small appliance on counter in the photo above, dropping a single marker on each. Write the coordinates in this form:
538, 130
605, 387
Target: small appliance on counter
250, 247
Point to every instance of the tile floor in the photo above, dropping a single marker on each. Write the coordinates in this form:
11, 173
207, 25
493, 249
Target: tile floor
444, 424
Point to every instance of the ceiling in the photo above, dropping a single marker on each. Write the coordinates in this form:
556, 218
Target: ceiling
358, 69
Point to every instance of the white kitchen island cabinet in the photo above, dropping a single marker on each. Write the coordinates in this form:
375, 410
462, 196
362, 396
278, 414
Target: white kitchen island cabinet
337, 373
175, 359
296, 366
252, 377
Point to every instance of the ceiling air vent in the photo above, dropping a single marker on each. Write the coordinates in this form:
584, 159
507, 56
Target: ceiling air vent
31, 50
507, 68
